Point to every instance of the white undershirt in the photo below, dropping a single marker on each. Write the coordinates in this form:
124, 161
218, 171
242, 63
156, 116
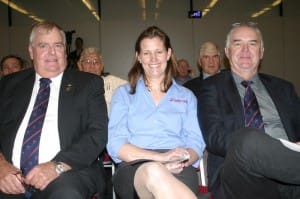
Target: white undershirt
49, 142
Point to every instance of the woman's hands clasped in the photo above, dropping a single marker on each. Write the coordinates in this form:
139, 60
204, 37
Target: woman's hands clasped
176, 159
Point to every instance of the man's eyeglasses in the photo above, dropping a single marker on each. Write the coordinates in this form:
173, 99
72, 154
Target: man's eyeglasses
88, 61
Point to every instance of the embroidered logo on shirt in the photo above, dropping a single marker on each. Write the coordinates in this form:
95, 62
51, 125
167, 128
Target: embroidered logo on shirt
178, 100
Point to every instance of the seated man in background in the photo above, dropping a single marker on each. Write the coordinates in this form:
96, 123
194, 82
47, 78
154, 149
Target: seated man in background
11, 64
92, 62
53, 125
184, 71
209, 63
243, 115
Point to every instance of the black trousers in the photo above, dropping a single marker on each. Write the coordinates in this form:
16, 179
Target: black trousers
74, 184
261, 167
123, 179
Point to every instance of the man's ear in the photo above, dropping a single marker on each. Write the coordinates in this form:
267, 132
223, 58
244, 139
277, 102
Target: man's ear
30, 52
226, 52
262, 50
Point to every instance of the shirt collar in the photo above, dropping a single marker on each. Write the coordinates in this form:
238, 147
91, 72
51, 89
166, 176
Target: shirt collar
54, 81
142, 83
238, 79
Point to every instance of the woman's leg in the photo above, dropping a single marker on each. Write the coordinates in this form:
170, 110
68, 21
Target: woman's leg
154, 180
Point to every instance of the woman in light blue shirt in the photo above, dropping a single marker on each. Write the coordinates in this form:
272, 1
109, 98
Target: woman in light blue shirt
154, 135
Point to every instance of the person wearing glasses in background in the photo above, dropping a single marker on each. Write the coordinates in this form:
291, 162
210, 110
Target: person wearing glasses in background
53, 125
209, 63
248, 119
91, 61
11, 64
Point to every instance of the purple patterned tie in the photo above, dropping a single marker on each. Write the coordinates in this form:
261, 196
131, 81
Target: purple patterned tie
253, 117
31, 140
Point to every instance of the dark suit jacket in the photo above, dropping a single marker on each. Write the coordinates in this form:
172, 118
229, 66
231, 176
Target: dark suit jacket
82, 115
220, 113
194, 84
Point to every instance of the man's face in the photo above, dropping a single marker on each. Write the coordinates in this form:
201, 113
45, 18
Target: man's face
210, 62
10, 65
244, 52
48, 53
91, 63
183, 68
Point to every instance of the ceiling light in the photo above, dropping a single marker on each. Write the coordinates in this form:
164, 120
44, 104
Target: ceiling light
91, 8
209, 7
21, 10
275, 3
264, 10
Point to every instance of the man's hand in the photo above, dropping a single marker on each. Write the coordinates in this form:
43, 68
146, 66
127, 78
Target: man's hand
41, 175
10, 179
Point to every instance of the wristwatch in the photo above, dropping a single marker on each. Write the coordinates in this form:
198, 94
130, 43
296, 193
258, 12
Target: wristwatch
59, 167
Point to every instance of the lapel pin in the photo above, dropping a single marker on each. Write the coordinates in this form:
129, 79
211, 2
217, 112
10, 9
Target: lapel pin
69, 87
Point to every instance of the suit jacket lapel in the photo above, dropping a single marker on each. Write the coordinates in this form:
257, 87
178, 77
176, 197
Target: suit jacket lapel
233, 98
276, 95
22, 96
279, 102
66, 93
273, 90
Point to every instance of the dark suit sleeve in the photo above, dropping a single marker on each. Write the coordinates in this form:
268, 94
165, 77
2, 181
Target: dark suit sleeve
296, 102
83, 127
218, 117
194, 85
288, 105
210, 119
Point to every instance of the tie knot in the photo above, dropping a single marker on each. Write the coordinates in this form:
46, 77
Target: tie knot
45, 81
246, 83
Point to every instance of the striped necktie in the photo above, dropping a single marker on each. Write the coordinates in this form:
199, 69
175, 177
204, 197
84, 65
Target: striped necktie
253, 117
31, 140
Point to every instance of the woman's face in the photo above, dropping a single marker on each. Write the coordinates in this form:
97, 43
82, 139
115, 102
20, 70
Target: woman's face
154, 57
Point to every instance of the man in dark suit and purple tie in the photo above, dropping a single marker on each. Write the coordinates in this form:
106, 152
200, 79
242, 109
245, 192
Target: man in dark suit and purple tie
247, 156
65, 137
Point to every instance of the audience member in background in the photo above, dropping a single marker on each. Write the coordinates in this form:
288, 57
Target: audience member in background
209, 63
153, 126
52, 153
184, 72
92, 62
74, 56
11, 64
243, 115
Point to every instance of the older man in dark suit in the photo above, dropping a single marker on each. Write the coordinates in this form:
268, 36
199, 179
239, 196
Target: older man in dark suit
73, 132
209, 63
246, 156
